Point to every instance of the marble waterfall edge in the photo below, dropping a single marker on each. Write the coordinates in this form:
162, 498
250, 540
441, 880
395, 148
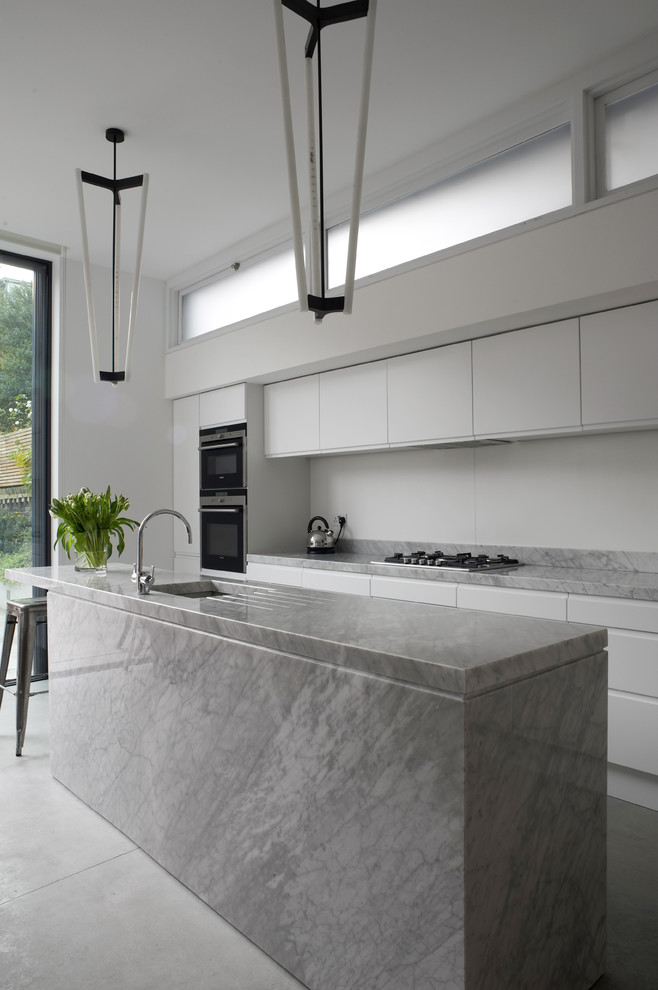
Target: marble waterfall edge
366, 833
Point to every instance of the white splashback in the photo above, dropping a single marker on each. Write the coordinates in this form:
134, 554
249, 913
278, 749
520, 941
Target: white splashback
404, 495
585, 492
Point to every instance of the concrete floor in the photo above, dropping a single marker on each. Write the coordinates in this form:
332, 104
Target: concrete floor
82, 908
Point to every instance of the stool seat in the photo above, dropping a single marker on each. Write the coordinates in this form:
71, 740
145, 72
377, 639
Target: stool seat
27, 614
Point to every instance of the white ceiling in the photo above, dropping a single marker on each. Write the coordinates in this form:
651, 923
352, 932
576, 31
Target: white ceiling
195, 86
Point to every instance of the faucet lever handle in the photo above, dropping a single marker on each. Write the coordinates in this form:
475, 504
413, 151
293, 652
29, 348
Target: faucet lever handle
147, 577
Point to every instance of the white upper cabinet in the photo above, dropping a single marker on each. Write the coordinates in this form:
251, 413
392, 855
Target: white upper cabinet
353, 410
527, 381
596, 373
292, 417
430, 395
620, 366
223, 406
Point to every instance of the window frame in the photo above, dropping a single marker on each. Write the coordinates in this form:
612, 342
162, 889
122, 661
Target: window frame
42, 353
41, 399
576, 101
451, 164
601, 101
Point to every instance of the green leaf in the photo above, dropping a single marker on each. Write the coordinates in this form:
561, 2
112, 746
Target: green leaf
88, 521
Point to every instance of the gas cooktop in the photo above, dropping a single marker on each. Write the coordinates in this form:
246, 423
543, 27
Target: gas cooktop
456, 562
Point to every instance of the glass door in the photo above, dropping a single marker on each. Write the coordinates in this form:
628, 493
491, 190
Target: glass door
25, 359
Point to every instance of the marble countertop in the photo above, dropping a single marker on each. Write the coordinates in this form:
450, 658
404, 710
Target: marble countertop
607, 581
458, 651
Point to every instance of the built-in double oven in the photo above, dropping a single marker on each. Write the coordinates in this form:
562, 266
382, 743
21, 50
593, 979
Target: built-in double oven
223, 498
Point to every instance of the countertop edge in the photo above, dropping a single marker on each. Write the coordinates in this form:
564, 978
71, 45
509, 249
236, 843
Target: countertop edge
411, 671
630, 585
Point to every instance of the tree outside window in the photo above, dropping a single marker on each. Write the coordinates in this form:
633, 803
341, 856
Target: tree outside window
16, 323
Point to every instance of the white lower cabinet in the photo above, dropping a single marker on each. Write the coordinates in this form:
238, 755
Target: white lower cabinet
633, 698
513, 601
633, 662
618, 613
310, 577
344, 582
633, 732
275, 574
408, 590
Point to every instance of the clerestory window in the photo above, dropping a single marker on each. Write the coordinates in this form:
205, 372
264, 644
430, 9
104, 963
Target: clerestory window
526, 181
627, 134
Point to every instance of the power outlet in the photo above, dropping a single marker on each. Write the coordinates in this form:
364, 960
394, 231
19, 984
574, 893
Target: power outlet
340, 520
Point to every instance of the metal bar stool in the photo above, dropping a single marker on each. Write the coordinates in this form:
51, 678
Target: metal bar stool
27, 613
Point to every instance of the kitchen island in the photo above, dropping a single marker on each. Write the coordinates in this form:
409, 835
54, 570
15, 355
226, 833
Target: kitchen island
381, 795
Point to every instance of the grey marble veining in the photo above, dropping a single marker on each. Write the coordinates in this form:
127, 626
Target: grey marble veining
365, 832
610, 560
609, 580
525, 768
454, 650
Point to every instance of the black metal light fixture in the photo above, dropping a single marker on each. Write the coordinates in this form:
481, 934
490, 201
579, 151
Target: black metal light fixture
318, 17
116, 186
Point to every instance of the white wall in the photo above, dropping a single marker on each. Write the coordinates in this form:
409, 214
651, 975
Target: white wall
118, 436
581, 492
584, 492
601, 258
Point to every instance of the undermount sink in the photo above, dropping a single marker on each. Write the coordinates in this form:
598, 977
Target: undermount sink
190, 589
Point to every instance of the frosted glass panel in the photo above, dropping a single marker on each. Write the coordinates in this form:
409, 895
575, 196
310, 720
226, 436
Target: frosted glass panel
631, 138
524, 182
239, 295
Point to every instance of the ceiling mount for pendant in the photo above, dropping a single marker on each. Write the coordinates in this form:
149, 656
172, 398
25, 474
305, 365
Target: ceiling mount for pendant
115, 135
319, 18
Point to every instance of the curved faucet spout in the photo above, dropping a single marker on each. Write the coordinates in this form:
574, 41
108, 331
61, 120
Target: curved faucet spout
144, 575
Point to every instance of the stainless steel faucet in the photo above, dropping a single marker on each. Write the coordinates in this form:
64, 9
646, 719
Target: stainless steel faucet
143, 576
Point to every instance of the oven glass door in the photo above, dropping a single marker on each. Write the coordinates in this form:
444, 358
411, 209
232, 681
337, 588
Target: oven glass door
223, 538
223, 464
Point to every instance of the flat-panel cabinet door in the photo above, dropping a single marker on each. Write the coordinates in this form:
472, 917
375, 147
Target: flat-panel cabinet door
619, 364
408, 590
513, 601
274, 573
292, 417
633, 732
430, 395
223, 406
344, 582
186, 470
633, 662
527, 381
353, 407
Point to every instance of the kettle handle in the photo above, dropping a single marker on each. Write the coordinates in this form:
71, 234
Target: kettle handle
315, 519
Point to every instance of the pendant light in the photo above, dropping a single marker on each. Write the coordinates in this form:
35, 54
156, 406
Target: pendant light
116, 186
319, 18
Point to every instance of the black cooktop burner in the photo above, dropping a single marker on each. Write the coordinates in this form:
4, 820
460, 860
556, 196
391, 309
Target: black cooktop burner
457, 561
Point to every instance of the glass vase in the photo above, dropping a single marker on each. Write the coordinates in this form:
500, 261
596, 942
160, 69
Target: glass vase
91, 553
